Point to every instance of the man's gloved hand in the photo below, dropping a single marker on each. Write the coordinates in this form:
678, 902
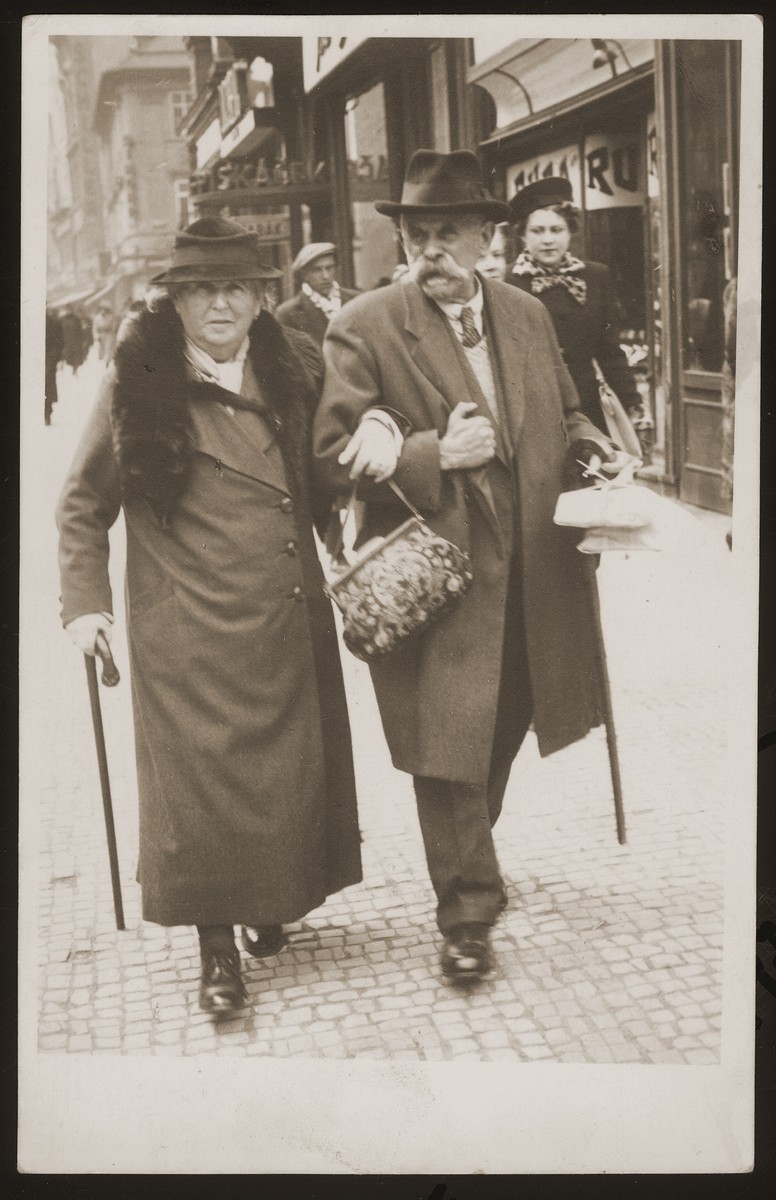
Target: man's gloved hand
83, 630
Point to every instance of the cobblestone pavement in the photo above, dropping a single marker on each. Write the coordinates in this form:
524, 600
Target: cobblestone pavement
606, 953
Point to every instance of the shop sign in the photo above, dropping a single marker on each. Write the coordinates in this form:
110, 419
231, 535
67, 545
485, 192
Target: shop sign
267, 228
564, 163
613, 172
209, 143
236, 173
233, 95
320, 55
248, 133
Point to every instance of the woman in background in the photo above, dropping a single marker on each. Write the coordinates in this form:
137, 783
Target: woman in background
577, 294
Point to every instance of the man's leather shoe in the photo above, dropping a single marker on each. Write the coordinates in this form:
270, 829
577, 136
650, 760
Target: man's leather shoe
264, 940
466, 953
222, 991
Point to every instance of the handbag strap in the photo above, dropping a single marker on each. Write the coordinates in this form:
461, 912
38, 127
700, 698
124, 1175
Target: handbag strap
351, 505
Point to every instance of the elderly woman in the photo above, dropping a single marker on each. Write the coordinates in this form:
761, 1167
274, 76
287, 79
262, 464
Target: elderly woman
202, 435
578, 296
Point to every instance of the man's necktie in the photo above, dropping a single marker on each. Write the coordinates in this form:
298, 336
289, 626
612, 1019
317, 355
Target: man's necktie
471, 334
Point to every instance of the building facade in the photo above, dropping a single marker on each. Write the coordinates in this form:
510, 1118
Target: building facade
76, 230
143, 162
115, 164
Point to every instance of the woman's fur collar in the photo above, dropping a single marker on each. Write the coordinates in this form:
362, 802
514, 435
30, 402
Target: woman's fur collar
153, 433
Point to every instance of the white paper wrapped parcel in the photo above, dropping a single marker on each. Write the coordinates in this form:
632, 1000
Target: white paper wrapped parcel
623, 518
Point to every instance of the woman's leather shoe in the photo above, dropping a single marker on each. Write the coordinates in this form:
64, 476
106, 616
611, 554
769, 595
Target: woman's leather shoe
222, 991
262, 941
466, 953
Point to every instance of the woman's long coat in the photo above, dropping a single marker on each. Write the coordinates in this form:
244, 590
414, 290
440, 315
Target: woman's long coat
589, 331
438, 695
246, 788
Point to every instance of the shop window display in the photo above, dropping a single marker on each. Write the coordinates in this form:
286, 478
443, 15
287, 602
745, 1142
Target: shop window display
374, 245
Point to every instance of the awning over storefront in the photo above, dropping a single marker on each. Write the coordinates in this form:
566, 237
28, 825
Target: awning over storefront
88, 298
533, 75
79, 297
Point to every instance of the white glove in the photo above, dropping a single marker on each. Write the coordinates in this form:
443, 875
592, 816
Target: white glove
83, 630
374, 448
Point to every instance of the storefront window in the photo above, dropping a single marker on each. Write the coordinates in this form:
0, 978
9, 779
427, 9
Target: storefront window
704, 157
374, 241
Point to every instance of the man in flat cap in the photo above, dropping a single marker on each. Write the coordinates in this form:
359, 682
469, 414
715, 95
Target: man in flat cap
469, 377
201, 434
319, 297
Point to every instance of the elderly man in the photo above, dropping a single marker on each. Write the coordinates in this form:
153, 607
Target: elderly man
469, 372
202, 435
320, 297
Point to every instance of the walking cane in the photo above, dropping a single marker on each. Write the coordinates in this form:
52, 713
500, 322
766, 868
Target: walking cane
110, 678
611, 736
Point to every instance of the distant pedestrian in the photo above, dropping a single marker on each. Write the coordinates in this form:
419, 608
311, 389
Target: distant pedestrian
104, 331
319, 296
202, 435
87, 333
73, 340
54, 347
577, 294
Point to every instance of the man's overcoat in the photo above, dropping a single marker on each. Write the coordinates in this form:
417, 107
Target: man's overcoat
438, 695
300, 313
246, 788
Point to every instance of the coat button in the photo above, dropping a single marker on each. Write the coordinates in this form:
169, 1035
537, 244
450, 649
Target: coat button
291, 549
298, 594
286, 505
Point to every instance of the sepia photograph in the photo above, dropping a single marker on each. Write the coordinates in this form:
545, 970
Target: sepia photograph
389, 593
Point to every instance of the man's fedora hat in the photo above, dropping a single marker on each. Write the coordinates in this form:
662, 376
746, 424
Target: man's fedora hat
444, 183
545, 192
215, 248
308, 254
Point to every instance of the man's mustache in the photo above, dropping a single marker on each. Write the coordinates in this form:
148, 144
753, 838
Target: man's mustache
447, 267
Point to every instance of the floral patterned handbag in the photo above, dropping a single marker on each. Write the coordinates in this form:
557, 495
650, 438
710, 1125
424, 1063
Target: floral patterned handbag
399, 587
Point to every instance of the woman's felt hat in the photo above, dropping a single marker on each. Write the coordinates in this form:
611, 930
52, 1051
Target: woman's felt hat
215, 248
541, 194
444, 183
